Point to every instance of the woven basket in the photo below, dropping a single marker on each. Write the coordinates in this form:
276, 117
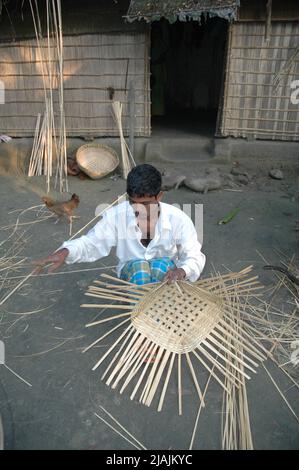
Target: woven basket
174, 321
174, 326
97, 160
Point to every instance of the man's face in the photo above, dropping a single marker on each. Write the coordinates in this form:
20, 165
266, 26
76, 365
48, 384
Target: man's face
146, 209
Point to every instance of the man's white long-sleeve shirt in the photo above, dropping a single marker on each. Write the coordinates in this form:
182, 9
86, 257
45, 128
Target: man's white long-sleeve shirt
175, 236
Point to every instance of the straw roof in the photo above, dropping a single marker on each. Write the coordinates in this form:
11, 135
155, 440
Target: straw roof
181, 9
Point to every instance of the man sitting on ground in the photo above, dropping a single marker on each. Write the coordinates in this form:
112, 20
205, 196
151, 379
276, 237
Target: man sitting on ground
154, 241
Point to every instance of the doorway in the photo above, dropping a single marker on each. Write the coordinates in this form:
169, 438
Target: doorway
187, 60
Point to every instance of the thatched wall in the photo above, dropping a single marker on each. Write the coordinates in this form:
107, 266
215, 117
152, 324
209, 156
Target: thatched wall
257, 93
92, 63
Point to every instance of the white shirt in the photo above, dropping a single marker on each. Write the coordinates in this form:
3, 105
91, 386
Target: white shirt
175, 236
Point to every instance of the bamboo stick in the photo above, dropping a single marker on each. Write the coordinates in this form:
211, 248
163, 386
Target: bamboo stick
166, 382
199, 411
117, 353
123, 428
98, 322
150, 379
111, 347
233, 355
124, 361
218, 366
105, 335
110, 297
114, 306
195, 380
281, 394
114, 429
151, 355
209, 346
148, 347
180, 383
157, 378
131, 361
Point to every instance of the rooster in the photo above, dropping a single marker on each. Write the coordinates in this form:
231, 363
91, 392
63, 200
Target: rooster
62, 209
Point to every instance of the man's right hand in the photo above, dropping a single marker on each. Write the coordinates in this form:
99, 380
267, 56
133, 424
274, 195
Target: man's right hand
56, 260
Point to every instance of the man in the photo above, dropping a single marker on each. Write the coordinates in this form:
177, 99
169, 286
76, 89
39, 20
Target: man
154, 241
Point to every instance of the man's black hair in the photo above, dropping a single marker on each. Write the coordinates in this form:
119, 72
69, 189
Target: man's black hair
144, 180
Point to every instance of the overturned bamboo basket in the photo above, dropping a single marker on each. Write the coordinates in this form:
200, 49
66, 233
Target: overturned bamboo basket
97, 160
171, 326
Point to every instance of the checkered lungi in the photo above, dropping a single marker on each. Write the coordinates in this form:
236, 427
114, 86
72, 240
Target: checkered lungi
140, 271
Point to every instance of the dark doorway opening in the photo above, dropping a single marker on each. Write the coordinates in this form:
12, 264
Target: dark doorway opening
187, 60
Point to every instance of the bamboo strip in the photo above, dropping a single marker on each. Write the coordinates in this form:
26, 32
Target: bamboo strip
124, 437
151, 355
195, 380
180, 383
117, 353
107, 319
110, 297
111, 347
114, 306
245, 343
122, 281
123, 428
246, 325
97, 216
115, 292
105, 335
17, 375
281, 394
125, 355
148, 347
215, 364
166, 382
151, 374
125, 360
129, 357
221, 368
157, 379
209, 346
199, 411
230, 353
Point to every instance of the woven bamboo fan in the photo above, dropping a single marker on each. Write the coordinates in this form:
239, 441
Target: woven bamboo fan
170, 326
97, 160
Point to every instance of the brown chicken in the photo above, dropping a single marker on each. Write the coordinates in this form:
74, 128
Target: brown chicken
62, 209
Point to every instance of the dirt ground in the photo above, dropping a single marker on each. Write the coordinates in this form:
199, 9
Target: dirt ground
45, 347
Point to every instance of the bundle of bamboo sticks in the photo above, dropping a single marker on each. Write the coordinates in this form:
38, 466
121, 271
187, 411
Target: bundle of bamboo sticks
45, 145
127, 159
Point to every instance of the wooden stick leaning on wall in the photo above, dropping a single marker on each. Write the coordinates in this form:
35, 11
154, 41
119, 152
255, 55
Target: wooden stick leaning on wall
127, 159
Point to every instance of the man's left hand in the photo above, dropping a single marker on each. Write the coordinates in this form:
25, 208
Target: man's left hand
177, 274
